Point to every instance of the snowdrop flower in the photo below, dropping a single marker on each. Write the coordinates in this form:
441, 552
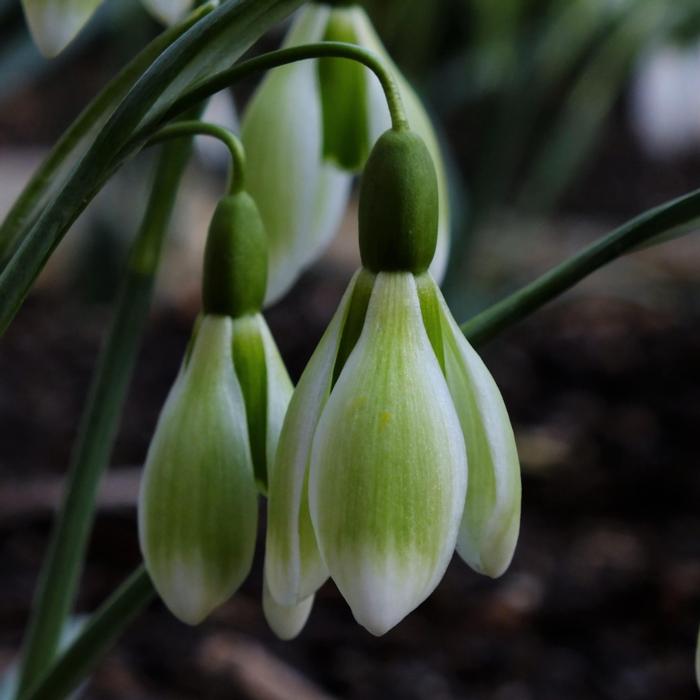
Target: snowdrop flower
55, 23
218, 429
309, 128
369, 484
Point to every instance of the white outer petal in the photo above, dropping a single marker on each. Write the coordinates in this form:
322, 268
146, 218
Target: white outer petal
491, 523
202, 426
388, 471
289, 579
379, 121
301, 199
286, 621
54, 23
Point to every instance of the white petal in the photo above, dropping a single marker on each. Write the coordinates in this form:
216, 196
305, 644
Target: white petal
293, 566
168, 11
388, 467
379, 122
54, 23
491, 523
301, 200
198, 504
286, 621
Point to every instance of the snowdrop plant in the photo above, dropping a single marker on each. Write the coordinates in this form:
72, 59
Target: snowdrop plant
218, 429
393, 412
395, 448
318, 119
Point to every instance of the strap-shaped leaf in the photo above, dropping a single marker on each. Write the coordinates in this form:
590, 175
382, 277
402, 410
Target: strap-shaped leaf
205, 48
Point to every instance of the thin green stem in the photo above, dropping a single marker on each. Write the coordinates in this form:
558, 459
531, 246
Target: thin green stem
63, 562
283, 57
629, 236
230, 140
98, 635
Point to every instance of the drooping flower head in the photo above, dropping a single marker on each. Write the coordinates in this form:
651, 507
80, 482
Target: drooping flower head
370, 479
218, 430
319, 119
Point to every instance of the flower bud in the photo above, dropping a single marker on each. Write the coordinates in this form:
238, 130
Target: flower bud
198, 504
388, 471
398, 205
317, 120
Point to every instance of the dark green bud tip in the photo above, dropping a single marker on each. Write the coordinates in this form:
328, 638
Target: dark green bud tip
235, 259
399, 205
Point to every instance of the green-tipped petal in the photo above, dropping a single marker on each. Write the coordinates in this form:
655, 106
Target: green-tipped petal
168, 11
293, 566
379, 122
491, 523
198, 504
286, 621
54, 23
301, 199
388, 468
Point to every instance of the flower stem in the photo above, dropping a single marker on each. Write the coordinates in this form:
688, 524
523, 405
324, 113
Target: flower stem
230, 140
283, 57
63, 562
94, 640
645, 228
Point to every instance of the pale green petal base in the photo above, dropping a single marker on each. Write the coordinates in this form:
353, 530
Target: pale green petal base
293, 567
286, 621
198, 503
388, 470
491, 523
54, 23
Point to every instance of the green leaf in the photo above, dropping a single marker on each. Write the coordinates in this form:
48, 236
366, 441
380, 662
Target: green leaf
208, 46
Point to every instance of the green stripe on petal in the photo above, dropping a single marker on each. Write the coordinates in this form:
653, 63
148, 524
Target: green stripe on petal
198, 504
168, 11
300, 198
388, 469
279, 391
491, 523
54, 23
419, 121
286, 621
293, 567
